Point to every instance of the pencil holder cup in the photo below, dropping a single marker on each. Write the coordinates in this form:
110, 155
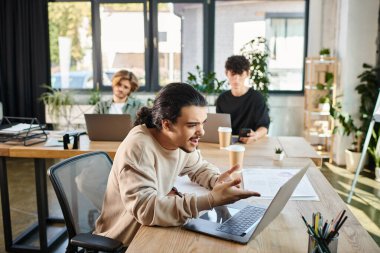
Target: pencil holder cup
313, 245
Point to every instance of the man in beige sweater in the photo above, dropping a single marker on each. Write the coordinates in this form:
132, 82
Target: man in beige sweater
160, 147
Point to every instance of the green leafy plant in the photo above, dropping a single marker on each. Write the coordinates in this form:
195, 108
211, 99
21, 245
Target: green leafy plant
205, 82
257, 53
95, 97
324, 51
324, 100
278, 150
347, 126
368, 91
326, 87
373, 150
59, 102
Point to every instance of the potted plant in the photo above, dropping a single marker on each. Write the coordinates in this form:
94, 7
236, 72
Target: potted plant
347, 127
324, 101
63, 112
368, 91
278, 154
58, 105
206, 83
375, 153
324, 104
324, 53
257, 53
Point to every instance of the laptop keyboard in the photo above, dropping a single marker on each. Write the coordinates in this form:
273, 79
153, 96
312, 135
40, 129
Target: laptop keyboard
241, 221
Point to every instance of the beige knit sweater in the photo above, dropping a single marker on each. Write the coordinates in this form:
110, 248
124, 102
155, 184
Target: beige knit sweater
142, 175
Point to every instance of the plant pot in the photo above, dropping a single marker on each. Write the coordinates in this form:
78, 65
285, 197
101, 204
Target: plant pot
325, 107
323, 57
377, 174
352, 160
278, 157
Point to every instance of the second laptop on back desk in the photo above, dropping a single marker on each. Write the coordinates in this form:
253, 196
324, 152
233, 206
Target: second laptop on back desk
215, 120
108, 127
115, 127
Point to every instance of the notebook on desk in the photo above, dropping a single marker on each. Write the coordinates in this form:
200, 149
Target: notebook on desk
215, 120
241, 222
108, 127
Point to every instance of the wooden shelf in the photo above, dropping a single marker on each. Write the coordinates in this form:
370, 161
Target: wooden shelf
318, 124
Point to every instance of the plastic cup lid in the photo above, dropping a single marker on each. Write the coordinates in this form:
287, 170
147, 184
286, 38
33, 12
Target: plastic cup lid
236, 148
224, 129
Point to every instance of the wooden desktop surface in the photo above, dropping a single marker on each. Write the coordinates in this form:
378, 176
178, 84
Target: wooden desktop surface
4, 150
85, 145
287, 233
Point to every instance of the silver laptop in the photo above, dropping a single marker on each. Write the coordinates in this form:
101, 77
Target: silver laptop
240, 222
215, 120
108, 127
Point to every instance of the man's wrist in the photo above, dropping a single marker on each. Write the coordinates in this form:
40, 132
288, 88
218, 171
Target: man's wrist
210, 199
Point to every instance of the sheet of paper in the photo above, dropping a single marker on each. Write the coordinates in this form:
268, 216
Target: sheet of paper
19, 128
184, 185
53, 142
267, 181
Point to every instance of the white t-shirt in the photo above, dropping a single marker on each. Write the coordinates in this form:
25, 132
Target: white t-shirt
116, 108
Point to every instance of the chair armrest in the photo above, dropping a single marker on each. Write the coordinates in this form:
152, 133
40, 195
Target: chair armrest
97, 242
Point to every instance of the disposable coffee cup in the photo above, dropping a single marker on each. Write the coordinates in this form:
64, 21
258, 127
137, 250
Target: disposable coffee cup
224, 137
236, 154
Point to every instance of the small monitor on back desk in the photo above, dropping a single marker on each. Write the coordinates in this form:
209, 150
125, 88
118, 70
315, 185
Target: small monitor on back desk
215, 120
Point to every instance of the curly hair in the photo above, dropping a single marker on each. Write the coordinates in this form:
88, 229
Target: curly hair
237, 64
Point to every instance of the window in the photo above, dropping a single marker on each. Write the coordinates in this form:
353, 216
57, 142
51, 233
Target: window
181, 51
280, 22
70, 45
122, 39
162, 41
286, 43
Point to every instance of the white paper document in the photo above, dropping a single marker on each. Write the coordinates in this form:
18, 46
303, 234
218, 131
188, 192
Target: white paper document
19, 128
268, 181
184, 185
53, 142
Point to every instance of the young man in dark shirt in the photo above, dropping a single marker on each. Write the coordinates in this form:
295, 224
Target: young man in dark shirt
246, 106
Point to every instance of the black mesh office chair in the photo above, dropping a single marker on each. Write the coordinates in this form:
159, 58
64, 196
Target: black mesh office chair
80, 183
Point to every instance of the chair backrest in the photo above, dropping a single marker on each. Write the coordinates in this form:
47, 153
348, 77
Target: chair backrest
80, 183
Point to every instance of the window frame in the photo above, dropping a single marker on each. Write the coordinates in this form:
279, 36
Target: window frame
151, 40
287, 16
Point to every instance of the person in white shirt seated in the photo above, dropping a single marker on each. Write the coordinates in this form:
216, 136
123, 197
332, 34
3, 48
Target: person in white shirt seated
124, 83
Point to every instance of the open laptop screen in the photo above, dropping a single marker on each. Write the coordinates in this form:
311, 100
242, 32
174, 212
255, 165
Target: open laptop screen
108, 127
215, 120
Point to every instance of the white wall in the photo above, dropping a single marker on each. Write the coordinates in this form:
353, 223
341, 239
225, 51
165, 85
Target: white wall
286, 114
356, 45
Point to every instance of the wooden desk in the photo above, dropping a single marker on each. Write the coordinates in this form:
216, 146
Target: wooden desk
263, 150
287, 233
85, 146
298, 147
45, 223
